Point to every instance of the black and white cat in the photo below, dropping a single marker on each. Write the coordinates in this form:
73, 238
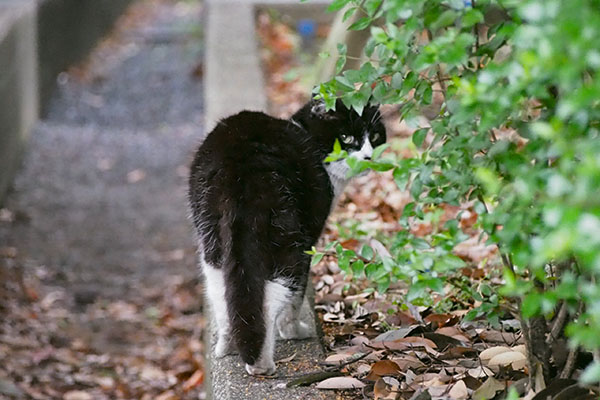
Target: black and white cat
260, 193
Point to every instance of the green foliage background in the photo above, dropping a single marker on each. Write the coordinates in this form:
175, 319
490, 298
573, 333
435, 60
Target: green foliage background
529, 68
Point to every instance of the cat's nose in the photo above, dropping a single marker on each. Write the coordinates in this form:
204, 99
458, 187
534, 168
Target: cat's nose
368, 158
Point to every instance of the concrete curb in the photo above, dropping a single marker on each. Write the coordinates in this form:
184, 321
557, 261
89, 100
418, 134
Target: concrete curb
233, 82
18, 83
38, 40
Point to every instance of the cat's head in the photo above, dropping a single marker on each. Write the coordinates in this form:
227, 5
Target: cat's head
357, 134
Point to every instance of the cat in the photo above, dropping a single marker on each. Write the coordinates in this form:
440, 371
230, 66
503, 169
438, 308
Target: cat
260, 192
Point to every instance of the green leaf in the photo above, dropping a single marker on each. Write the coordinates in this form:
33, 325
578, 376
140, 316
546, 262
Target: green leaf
316, 259
358, 267
367, 252
427, 96
396, 81
349, 12
449, 262
418, 137
444, 19
471, 17
380, 91
379, 34
372, 6
531, 305
324, 54
337, 5
337, 147
360, 24
339, 64
379, 150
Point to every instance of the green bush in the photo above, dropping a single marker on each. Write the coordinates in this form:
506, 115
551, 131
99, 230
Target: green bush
517, 133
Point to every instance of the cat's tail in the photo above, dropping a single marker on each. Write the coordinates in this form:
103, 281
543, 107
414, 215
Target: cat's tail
245, 270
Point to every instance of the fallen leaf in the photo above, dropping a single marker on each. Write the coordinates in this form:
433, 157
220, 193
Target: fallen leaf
521, 349
488, 390
340, 382
490, 353
394, 334
195, 380
287, 359
383, 368
77, 395
136, 175
480, 372
459, 391
381, 389
441, 320
514, 358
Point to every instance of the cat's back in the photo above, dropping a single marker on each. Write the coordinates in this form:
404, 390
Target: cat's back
247, 136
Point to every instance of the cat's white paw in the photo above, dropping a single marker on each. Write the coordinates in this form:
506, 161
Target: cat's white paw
224, 347
261, 368
303, 330
294, 330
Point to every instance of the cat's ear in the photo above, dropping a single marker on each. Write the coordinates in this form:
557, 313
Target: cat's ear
318, 109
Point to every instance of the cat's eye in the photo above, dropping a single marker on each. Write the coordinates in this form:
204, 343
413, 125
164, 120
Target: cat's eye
375, 137
346, 139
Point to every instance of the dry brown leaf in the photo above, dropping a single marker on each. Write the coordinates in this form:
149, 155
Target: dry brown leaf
341, 383
287, 359
480, 372
488, 390
394, 334
381, 389
383, 368
194, 381
77, 395
521, 349
457, 352
453, 332
491, 352
336, 359
441, 320
515, 359
459, 391
167, 395
408, 362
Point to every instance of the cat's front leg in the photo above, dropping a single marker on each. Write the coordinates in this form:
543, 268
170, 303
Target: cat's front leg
288, 321
224, 345
277, 297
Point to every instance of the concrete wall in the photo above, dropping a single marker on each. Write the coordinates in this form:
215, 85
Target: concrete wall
67, 30
18, 83
38, 40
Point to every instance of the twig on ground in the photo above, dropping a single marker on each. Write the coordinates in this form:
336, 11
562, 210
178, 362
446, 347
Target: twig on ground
570, 363
558, 324
312, 377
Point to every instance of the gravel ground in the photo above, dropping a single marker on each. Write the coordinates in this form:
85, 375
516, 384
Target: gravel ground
101, 195
99, 294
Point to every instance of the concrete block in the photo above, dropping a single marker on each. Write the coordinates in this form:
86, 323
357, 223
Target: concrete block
18, 83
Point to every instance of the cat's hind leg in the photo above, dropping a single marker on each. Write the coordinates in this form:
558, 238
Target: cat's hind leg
215, 292
276, 299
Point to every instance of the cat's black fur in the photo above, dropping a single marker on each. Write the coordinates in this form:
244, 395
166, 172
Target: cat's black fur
260, 195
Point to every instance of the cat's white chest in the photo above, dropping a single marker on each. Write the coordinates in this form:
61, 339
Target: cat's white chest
338, 172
